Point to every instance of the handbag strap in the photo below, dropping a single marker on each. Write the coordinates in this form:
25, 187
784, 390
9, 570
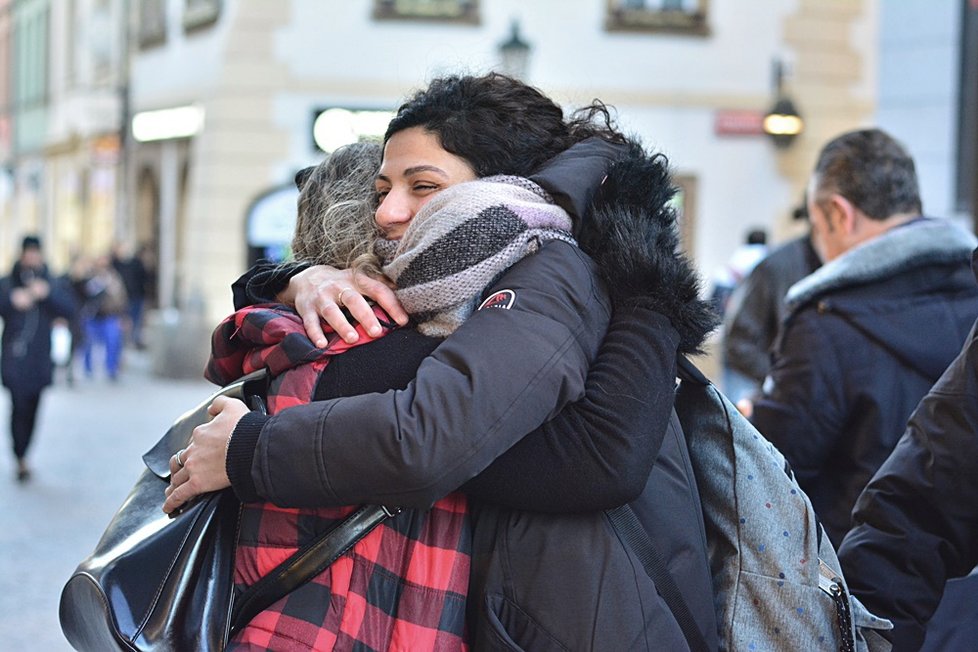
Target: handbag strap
625, 522
306, 563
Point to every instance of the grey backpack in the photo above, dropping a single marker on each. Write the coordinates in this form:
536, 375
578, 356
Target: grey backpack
776, 578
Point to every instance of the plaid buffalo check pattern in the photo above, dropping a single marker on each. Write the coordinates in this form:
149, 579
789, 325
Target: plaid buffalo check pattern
402, 587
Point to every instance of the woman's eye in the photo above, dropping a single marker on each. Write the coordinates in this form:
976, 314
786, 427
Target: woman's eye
425, 187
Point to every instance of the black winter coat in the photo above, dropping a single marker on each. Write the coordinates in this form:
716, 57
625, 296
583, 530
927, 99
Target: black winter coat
867, 335
25, 359
916, 524
757, 307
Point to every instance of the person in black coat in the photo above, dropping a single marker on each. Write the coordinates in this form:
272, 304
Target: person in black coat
871, 331
756, 310
29, 303
916, 523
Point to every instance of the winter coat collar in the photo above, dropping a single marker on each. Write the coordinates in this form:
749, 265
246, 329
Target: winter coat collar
574, 176
922, 242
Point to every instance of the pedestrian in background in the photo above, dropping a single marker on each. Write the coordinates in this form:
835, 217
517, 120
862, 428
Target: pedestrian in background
135, 278
756, 310
105, 306
872, 330
916, 523
30, 302
740, 265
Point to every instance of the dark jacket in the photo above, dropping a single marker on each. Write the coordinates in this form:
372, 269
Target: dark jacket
916, 523
499, 376
25, 360
867, 335
758, 307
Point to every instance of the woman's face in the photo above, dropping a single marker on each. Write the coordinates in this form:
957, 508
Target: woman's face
415, 167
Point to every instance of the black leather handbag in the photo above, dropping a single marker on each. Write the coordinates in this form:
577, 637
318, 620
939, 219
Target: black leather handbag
161, 584
154, 582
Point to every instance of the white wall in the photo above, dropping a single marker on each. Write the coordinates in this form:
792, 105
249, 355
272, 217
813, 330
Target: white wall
919, 71
665, 87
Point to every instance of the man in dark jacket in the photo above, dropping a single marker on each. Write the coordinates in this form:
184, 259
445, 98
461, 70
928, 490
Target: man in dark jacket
29, 303
871, 331
756, 310
916, 523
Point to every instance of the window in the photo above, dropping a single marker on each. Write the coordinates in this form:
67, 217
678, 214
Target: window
200, 13
152, 23
464, 11
671, 16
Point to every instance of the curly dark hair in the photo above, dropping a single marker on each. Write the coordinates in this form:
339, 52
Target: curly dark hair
498, 124
872, 170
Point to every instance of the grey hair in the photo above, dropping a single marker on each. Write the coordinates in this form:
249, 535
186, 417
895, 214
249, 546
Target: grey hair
335, 224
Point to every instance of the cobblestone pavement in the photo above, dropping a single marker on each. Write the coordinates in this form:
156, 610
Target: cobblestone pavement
85, 457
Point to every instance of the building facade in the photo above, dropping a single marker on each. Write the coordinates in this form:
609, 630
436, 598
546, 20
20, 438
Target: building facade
225, 94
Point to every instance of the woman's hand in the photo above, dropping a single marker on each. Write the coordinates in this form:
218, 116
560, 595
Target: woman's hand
200, 468
321, 292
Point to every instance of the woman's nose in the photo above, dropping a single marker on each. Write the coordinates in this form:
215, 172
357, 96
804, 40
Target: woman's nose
394, 213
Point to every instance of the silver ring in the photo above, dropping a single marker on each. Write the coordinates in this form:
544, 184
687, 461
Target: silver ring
339, 298
180, 461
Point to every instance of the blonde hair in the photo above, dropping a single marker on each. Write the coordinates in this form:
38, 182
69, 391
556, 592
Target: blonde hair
335, 224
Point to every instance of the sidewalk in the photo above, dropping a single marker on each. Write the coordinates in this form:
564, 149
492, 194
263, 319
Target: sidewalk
85, 457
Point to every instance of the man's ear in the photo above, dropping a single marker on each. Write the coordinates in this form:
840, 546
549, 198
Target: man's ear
842, 214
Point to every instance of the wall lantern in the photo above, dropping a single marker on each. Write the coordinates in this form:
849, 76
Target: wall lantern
783, 122
515, 53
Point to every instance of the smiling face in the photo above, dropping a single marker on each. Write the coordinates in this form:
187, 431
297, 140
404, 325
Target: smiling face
415, 168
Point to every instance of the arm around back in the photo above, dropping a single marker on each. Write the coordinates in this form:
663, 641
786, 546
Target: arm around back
598, 452
508, 369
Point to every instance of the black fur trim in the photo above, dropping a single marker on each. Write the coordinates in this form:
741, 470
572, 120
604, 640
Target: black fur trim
632, 234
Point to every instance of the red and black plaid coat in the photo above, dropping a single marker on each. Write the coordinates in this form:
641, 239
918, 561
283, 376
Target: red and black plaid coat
402, 587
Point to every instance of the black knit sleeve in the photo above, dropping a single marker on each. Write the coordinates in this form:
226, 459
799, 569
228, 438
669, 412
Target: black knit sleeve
596, 453
241, 455
262, 282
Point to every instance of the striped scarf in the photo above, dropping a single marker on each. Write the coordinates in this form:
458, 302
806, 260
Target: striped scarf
464, 238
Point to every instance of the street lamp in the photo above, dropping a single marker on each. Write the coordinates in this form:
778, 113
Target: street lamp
515, 53
783, 122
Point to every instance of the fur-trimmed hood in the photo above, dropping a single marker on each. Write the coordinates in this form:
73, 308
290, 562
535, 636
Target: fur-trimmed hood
619, 197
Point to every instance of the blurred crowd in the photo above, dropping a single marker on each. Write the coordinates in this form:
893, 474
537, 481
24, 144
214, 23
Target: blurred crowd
78, 321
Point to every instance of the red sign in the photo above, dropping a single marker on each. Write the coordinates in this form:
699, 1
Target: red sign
733, 122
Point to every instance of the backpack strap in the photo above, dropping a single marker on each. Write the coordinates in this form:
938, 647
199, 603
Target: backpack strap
626, 524
306, 563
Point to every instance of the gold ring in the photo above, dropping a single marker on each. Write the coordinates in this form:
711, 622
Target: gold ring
339, 299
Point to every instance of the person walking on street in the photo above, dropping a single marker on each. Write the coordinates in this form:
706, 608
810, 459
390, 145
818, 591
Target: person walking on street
756, 310
134, 276
103, 312
29, 303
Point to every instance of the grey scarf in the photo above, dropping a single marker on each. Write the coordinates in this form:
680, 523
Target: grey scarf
462, 240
